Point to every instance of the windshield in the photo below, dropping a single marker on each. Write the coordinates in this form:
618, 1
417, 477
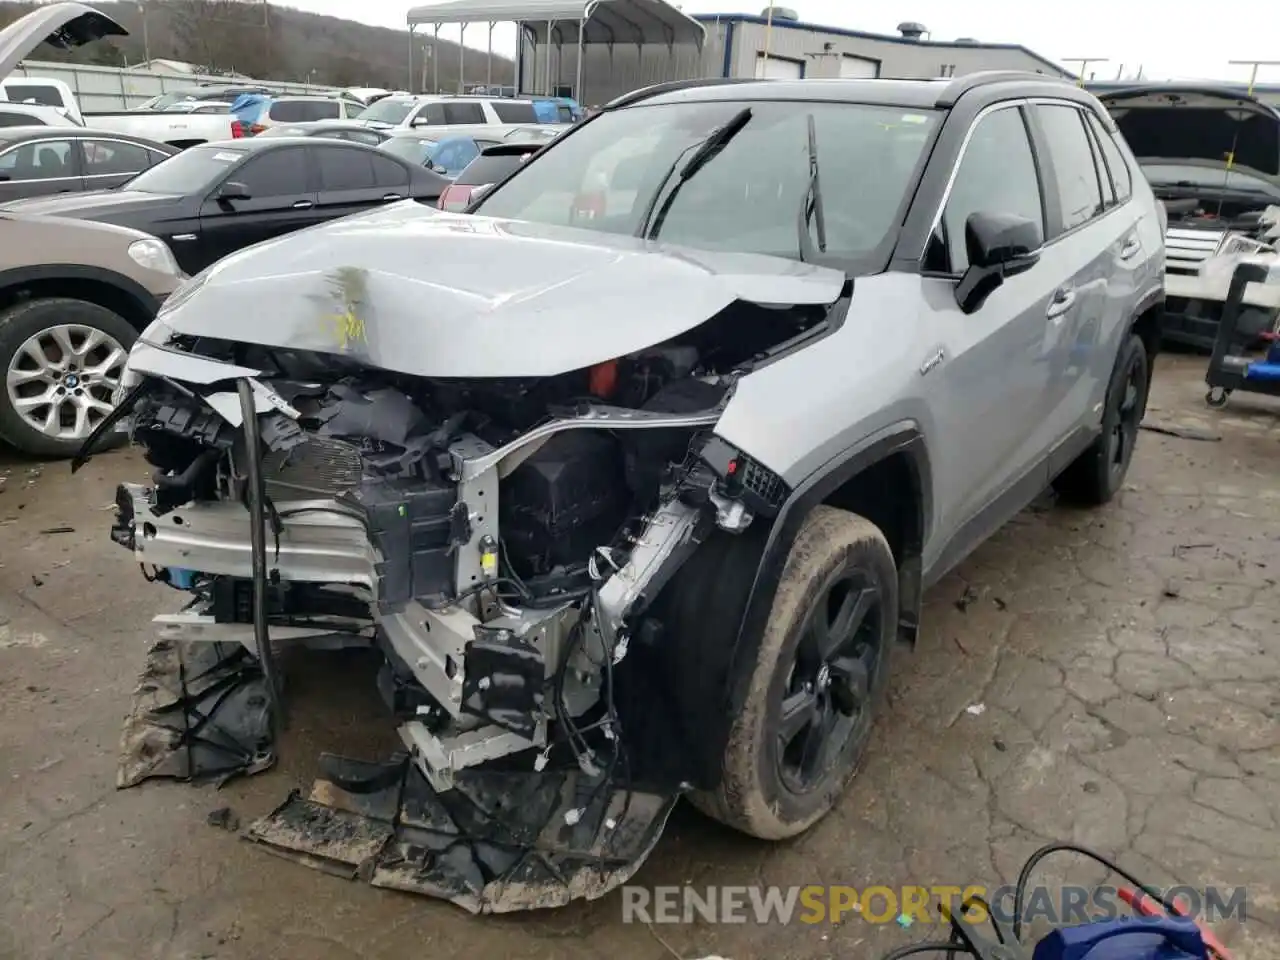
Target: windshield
387, 111
1188, 175
416, 150
748, 196
191, 171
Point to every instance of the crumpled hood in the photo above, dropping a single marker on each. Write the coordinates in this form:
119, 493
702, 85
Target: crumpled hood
98, 203
431, 294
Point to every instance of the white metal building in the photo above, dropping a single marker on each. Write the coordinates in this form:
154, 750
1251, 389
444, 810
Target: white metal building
784, 47
595, 50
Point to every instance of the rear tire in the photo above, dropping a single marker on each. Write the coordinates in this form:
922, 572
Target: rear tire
818, 675
1097, 475
39, 340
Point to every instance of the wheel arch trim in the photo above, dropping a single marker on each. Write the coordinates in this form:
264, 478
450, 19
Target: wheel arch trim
18, 276
904, 438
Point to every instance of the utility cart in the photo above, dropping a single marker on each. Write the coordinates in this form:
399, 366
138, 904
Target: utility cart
1230, 369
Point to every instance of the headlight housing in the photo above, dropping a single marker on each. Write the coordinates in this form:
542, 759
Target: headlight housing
153, 254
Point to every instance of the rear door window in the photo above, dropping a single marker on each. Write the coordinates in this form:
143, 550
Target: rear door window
112, 158
344, 169
276, 173
1075, 175
388, 174
512, 111
463, 113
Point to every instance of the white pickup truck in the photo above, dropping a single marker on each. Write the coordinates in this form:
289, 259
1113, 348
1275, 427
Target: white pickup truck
68, 25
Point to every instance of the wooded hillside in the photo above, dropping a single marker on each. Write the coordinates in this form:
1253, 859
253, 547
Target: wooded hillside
270, 42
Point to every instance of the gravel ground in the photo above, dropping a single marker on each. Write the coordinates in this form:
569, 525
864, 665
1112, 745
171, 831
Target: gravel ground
1127, 664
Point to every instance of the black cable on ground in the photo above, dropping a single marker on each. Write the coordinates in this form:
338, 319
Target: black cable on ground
915, 949
256, 500
1034, 860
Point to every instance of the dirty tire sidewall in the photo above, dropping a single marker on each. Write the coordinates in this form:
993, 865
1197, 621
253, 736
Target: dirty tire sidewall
24, 320
751, 796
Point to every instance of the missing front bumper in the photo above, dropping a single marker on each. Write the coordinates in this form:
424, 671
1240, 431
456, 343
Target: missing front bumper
497, 841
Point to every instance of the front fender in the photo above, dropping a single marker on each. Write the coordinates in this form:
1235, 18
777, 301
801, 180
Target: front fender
904, 438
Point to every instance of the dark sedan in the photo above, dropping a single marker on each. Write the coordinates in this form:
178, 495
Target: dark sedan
335, 129
36, 161
213, 199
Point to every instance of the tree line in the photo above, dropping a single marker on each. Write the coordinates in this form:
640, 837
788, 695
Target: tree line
269, 42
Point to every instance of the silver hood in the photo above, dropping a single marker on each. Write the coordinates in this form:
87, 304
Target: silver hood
64, 25
430, 294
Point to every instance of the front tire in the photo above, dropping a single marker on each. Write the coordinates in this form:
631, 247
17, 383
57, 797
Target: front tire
1097, 475
60, 362
817, 678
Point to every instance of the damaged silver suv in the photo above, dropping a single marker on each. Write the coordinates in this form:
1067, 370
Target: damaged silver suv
631, 478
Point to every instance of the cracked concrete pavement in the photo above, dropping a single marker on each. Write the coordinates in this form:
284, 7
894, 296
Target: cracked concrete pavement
1127, 662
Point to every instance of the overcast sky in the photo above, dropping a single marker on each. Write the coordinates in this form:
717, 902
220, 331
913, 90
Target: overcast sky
1165, 39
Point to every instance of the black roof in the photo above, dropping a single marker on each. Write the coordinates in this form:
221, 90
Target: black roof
918, 94
12, 135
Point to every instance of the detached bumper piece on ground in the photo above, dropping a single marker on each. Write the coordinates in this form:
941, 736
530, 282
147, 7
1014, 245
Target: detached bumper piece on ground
497, 842
200, 713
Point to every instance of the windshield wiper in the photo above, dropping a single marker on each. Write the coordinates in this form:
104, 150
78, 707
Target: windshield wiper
811, 203
714, 143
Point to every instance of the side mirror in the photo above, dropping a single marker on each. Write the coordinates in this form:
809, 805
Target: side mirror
419, 122
234, 190
999, 245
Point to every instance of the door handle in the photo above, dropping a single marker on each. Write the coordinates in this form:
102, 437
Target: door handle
1062, 300
1130, 248
303, 205
392, 196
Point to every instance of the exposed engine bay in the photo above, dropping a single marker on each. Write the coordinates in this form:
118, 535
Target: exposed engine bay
498, 545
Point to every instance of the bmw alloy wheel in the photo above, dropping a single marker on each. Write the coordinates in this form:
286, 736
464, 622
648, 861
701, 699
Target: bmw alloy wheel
61, 380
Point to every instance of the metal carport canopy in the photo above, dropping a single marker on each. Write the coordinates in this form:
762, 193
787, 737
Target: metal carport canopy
573, 21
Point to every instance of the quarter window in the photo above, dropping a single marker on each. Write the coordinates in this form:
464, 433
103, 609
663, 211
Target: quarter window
1117, 168
997, 174
1075, 175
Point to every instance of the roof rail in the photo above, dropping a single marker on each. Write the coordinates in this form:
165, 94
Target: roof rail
670, 86
971, 81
